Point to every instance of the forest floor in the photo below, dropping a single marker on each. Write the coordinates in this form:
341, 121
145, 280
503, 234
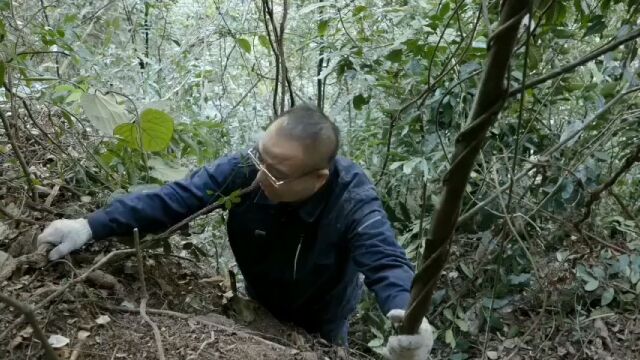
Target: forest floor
94, 312
198, 315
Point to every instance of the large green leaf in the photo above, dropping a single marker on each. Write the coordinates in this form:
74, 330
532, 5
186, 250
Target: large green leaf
359, 101
323, 26
103, 112
244, 45
264, 41
157, 130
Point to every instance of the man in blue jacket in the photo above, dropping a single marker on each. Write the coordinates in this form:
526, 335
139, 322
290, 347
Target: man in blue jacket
300, 238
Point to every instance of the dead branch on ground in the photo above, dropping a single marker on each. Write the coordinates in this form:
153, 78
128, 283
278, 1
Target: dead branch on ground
28, 312
145, 297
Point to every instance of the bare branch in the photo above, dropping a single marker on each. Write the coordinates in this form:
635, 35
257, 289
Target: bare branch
18, 153
466, 216
579, 62
595, 194
145, 296
28, 312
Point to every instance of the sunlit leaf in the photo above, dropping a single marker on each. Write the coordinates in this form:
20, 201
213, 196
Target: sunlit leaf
157, 130
359, 9
607, 296
311, 7
244, 45
323, 26
395, 56
449, 338
264, 41
103, 112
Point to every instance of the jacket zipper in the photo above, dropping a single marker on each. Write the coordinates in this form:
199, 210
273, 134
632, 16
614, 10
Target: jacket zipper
295, 259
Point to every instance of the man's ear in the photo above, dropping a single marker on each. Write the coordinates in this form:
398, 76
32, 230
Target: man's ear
321, 177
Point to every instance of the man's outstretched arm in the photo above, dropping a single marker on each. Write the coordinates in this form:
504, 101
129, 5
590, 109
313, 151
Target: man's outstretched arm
150, 212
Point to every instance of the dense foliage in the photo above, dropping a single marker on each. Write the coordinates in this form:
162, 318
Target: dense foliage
131, 94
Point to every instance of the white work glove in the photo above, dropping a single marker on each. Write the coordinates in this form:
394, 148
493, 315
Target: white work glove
408, 347
66, 235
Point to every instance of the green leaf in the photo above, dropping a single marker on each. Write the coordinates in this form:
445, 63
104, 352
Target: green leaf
377, 342
444, 10
462, 324
395, 56
450, 339
312, 7
467, 270
3, 30
607, 296
165, 171
157, 130
244, 45
264, 41
359, 101
596, 26
3, 70
521, 279
497, 303
103, 112
359, 9
323, 26
591, 285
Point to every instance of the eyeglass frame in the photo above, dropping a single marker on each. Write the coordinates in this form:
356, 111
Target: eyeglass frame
260, 166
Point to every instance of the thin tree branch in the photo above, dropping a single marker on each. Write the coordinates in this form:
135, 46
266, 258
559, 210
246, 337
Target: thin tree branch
579, 62
28, 312
18, 153
63, 288
466, 216
624, 207
594, 195
266, 12
145, 296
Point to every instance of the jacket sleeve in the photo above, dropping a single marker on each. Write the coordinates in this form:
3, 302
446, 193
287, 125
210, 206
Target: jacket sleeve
155, 211
377, 254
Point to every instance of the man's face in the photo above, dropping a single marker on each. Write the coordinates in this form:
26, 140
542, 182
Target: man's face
286, 161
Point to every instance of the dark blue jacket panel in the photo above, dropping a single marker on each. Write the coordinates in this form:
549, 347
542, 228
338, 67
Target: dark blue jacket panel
300, 261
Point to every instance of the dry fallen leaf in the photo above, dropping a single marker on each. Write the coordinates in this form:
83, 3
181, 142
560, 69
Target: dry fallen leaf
128, 304
58, 341
103, 319
83, 334
23, 335
7, 265
492, 355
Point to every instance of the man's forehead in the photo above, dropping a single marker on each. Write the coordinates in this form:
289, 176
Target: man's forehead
280, 153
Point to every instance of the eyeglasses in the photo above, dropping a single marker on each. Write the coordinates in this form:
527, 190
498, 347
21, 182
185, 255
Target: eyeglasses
256, 158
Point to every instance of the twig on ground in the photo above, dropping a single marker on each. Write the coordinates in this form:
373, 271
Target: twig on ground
28, 312
204, 344
236, 331
145, 296
63, 288
21, 219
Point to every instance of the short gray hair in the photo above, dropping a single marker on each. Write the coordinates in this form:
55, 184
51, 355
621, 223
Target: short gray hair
309, 125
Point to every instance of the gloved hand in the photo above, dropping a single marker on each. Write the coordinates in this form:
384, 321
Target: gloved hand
66, 235
408, 347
